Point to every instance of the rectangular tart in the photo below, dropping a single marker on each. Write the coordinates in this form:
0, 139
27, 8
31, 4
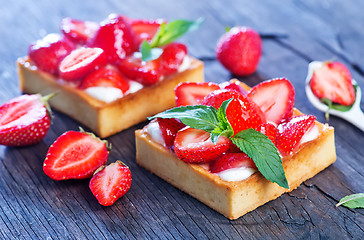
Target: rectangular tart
234, 199
103, 118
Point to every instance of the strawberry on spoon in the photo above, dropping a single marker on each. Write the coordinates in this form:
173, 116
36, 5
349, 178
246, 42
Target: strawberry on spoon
24, 120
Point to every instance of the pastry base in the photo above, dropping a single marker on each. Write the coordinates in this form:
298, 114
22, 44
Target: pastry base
106, 119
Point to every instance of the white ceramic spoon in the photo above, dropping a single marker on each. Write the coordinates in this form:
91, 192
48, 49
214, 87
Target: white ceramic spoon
354, 115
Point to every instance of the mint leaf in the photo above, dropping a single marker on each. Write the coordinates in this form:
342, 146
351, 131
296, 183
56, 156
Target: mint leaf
149, 53
198, 116
264, 154
352, 201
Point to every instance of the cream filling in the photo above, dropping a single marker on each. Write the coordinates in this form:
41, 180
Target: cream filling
155, 133
236, 174
106, 94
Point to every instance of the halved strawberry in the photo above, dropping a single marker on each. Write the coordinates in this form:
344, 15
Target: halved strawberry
195, 146
233, 85
110, 183
75, 155
81, 62
172, 57
115, 37
105, 77
269, 130
290, 133
24, 120
78, 31
275, 98
231, 160
242, 113
145, 29
48, 52
191, 93
333, 81
169, 128
146, 73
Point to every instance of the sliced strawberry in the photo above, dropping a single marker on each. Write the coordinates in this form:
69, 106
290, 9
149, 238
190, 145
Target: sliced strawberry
81, 62
115, 37
333, 81
269, 130
172, 57
242, 113
106, 77
275, 98
291, 133
233, 85
145, 29
110, 183
195, 146
78, 31
169, 128
24, 120
191, 93
75, 155
48, 52
146, 73
231, 160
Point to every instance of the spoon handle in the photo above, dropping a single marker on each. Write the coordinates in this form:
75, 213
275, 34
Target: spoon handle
356, 117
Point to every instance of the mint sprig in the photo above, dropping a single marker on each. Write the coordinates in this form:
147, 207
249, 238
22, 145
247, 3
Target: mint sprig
167, 33
352, 201
255, 144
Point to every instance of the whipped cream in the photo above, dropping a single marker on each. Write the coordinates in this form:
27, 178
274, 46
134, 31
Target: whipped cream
155, 133
186, 63
236, 174
106, 94
134, 86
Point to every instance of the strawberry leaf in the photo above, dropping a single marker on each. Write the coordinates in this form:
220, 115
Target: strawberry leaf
352, 201
264, 154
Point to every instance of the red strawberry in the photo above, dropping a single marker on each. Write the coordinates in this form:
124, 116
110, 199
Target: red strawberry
195, 146
242, 113
75, 155
145, 29
275, 98
146, 73
169, 128
105, 77
24, 120
191, 93
239, 50
172, 57
333, 81
48, 52
291, 133
231, 160
78, 31
233, 85
115, 37
269, 130
110, 183
81, 62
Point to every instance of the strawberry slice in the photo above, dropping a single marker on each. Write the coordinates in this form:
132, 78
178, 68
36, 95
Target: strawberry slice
169, 128
110, 183
115, 37
191, 93
291, 133
242, 113
333, 81
233, 85
275, 98
172, 57
145, 29
269, 130
231, 160
81, 62
48, 52
106, 77
78, 31
75, 155
195, 146
24, 120
146, 73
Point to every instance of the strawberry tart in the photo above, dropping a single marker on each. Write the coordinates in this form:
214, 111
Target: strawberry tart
235, 148
110, 75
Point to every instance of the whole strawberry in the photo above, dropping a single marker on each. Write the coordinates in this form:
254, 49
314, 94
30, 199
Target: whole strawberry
24, 120
239, 50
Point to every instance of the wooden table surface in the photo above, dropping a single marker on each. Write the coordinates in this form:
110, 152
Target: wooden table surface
32, 206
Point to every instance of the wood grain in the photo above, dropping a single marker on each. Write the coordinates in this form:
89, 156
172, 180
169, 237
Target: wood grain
32, 206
